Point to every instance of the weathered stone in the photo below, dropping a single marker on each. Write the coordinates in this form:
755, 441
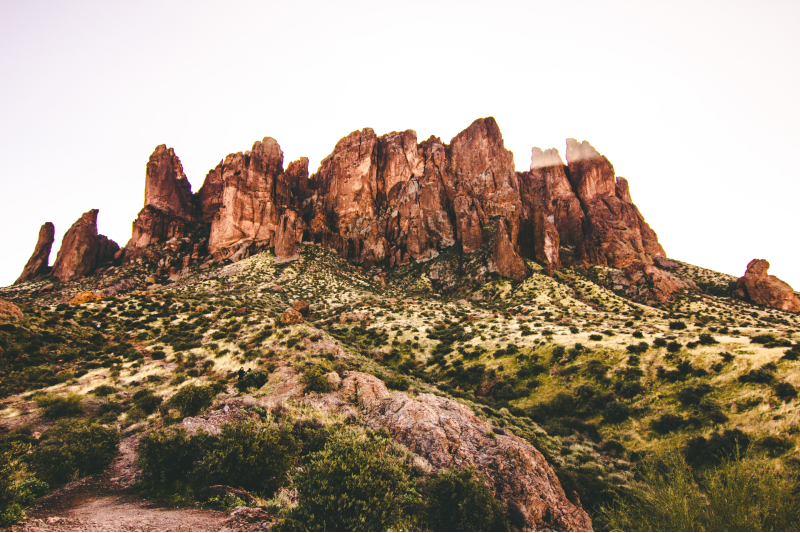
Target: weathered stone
449, 435
9, 311
291, 316
761, 288
37, 265
82, 249
301, 306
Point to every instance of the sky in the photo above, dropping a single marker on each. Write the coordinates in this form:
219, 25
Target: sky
696, 103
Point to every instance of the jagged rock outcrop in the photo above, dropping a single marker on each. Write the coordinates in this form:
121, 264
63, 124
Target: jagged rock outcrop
644, 282
168, 209
449, 435
38, 265
82, 249
615, 233
761, 288
248, 211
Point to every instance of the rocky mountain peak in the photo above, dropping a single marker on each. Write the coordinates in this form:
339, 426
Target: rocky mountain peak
82, 249
545, 158
37, 265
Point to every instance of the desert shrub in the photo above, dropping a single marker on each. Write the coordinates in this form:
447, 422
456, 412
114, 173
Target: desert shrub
667, 423
103, 390
774, 445
168, 457
638, 348
146, 401
314, 380
746, 495
562, 404
249, 455
758, 375
254, 380
707, 340
792, 354
398, 383
677, 325
691, 395
60, 406
460, 500
659, 342
558, 352
190, 400
628, 389
595, 369
358, 482
712, 411
595, 337
674, 346
616, 412
73, 449
717, 447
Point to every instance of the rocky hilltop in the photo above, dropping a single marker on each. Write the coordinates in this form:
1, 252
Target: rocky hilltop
391, 200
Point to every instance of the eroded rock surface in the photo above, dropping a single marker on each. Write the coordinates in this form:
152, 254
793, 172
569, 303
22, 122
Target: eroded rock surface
83, 249
449, 435
9, 311
761, 288
38, 265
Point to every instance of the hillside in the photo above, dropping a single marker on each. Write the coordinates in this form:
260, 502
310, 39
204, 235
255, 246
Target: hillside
530, 329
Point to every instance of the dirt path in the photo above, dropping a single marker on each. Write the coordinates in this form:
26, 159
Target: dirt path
105, 503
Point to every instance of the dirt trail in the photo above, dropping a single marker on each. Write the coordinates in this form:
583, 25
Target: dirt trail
105, 503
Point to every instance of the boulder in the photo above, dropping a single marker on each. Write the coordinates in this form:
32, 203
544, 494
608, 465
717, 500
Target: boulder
449, 435
291, 316
9, 311
760, 288
301, 306
82, 249
37, 265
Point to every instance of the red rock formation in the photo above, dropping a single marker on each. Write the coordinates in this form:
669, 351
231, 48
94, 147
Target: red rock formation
37, 265
758, 287
615, 233
82, 249
209, 198
168, 210
9, 311
247, 206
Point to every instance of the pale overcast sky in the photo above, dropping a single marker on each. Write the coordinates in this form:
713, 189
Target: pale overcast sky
696, 103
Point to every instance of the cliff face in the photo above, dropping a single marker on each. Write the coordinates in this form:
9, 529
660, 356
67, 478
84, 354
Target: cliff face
83, 249
37, 265
391, 199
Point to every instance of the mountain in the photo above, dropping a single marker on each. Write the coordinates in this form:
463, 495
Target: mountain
527, 326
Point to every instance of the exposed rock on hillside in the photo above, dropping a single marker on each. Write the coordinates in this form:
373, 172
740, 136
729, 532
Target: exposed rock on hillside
82, 249
760, 288
168, 210
615, 233
9, 311
448, 434
37, 265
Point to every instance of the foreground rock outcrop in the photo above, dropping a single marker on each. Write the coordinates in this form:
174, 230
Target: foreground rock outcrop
448, 435
759, 287
83, 249
38, 265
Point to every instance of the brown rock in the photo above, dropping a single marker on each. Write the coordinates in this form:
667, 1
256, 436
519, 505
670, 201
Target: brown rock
448, 434
168, 210
37, 265
291, 316
82, 249
9, 311
85, 297
645, 282
288, 236
301, 306
758, 287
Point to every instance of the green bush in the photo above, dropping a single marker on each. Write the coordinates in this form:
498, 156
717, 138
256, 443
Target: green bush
252, 456
60, 406
358, 482
191, 399
667, 423
677, 325
73, 449
717, 447
674, 346
460, 500
254, 380
746, 495
314, 380
103, 390
616, 412
398, 383
692, 395
147, 401
248, 455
